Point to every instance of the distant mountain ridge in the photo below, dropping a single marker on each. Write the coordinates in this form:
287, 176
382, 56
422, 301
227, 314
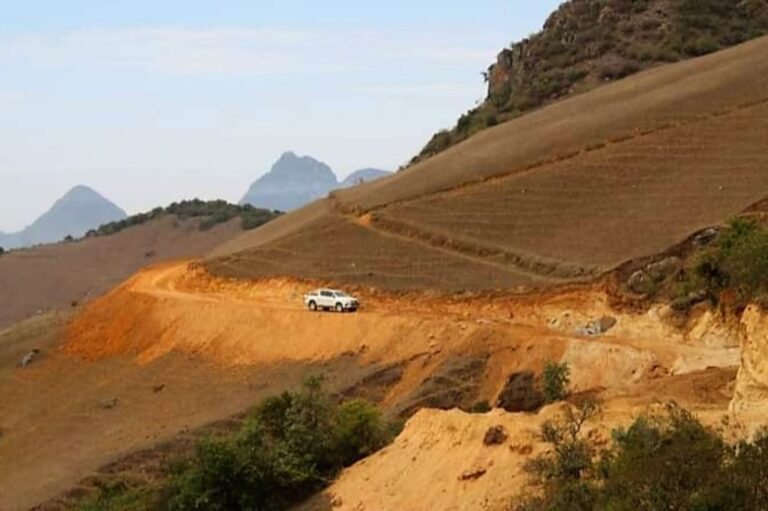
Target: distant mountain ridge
294, 181
78, 211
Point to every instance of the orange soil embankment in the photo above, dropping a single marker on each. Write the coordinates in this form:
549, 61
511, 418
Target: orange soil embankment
178, 307
440, 457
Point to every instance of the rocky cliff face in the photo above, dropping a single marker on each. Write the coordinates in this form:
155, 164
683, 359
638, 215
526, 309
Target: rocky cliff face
78, 211
750, 399
585, 43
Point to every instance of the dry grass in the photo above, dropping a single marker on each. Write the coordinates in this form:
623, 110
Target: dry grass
562, 194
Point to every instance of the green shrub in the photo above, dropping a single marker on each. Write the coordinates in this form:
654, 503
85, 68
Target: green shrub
361, 431
555, 379
566, 473
481, 407
119, 497
291, 447
212, 213
661, 462
737, 262
664, 463
702, 45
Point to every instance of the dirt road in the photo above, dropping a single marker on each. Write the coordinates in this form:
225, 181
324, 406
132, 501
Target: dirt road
218, 346
183, 309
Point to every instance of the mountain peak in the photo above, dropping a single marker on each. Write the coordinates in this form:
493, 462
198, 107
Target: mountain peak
292, 182
80, 209
81, 191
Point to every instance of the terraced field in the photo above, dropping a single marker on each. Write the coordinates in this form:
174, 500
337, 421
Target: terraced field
560, 195
590, 213
363, 256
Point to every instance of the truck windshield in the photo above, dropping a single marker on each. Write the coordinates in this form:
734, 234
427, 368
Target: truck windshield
341, 295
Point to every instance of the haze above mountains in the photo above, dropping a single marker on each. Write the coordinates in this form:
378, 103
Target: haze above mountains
292, 182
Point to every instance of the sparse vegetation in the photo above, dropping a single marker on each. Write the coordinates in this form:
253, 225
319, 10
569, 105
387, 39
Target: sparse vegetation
587, 42
481, 407
119, 497
555, 379
292, 446
212, 212
735, 265
667, 461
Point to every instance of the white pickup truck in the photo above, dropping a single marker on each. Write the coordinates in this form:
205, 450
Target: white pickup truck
331, 299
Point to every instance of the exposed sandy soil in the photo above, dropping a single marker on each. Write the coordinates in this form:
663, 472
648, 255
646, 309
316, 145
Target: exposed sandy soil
58, 425
572, 190
441, 462
184, 309
53, 276
221, 345
558, 195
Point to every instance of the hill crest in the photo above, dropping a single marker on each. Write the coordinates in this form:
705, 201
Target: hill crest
587, 43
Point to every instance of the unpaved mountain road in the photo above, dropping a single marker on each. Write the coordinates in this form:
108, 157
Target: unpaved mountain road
219, 346
184, 309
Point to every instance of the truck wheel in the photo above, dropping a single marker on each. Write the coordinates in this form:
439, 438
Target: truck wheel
312, 306
339, 307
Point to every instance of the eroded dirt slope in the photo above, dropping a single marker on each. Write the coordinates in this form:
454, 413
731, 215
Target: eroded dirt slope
176, 324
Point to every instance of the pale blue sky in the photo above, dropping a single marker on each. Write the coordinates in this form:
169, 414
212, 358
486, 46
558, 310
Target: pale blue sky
155, 101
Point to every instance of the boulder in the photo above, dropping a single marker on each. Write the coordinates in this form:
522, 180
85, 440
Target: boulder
667, 267
641, 283
496, 435
597, 327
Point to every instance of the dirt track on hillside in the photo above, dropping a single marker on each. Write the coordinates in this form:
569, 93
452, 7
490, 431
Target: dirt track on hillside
220, 345
184, 309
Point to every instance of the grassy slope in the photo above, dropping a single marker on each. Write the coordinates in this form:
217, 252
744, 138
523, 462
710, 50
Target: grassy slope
586, 43
680, 143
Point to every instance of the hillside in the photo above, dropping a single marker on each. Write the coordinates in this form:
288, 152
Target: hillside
363, 176
587, 43
78, 211
57, 276
559, 195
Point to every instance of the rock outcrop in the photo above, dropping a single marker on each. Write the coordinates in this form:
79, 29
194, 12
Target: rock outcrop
749, 406
585, 43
